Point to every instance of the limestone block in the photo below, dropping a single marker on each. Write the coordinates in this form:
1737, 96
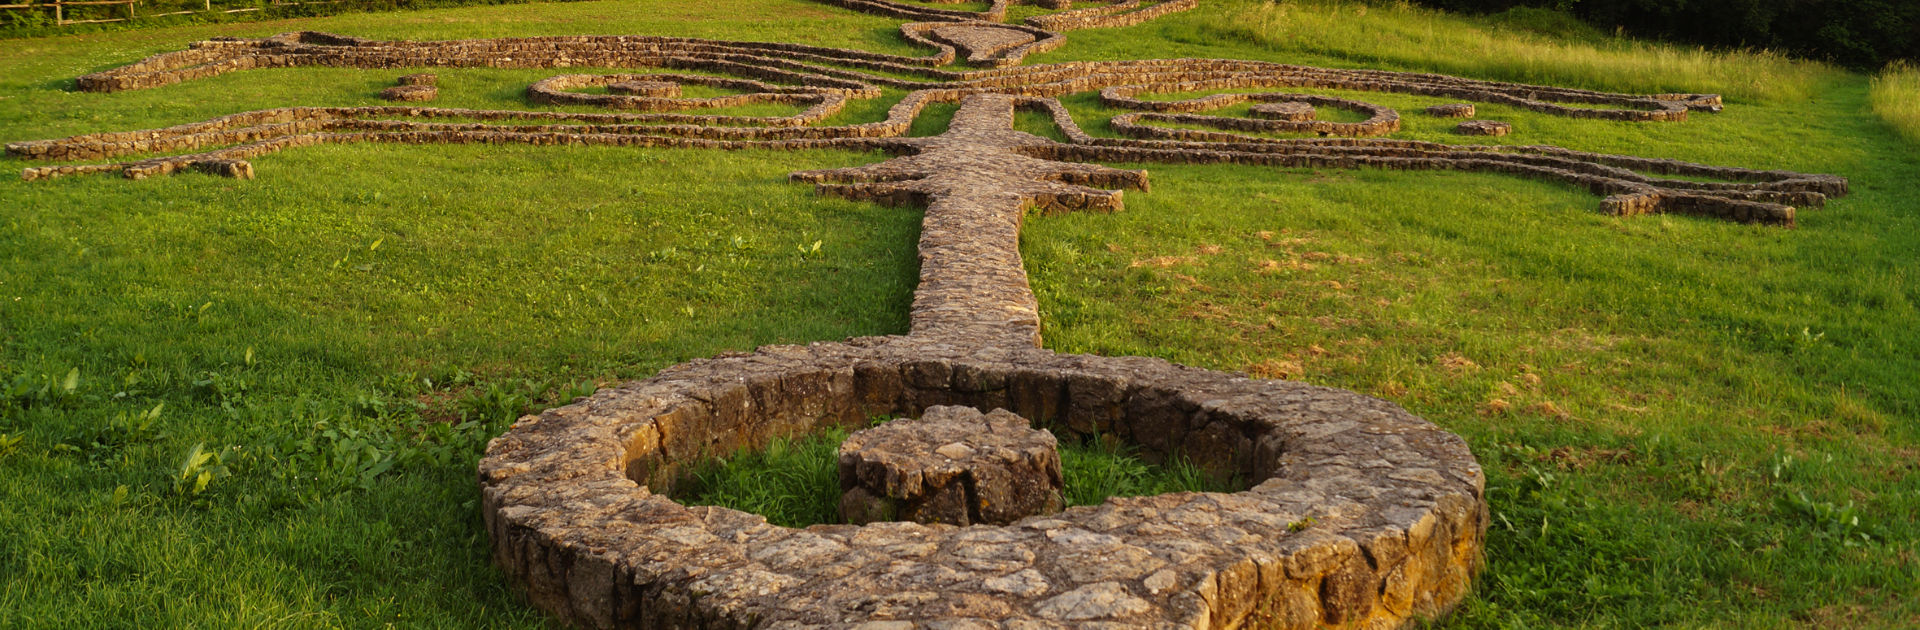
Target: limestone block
952, 465
1484, 128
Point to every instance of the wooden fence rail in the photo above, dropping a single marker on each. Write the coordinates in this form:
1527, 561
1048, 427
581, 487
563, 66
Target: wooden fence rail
63, 17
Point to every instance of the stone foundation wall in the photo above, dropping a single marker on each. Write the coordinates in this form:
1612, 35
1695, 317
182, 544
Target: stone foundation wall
1360, 514
1118, 14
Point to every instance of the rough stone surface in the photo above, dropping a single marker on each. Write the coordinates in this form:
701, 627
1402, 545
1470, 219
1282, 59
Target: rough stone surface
976, 180
1451, 110
952, 465
1293, 111
991, 45
1484, 128
649, 89
574, 505
412, 93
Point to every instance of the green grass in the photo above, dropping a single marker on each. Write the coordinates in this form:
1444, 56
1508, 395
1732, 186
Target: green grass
795, 482
1681, 419
1896, 98
1096, 470
1511, 47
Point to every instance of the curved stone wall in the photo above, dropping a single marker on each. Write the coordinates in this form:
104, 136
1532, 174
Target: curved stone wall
1359, 513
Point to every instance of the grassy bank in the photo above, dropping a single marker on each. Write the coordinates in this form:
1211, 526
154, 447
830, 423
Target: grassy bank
1684, 422
1523, 46
1896, 98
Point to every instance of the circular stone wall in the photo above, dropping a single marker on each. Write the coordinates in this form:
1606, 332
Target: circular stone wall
1359, 513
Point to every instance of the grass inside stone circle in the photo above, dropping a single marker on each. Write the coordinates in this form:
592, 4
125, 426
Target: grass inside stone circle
794, 481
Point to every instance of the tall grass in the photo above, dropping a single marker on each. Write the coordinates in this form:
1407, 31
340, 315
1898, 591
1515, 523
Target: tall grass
1896, 98
1512, 47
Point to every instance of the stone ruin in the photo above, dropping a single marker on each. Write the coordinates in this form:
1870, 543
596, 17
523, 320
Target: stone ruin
1484, 128
1451, 110
952, 465
1359, 514
414, 88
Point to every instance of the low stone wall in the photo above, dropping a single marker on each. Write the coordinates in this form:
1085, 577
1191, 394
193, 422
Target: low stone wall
1380, 120
1290, 110
992, 45
822, 103
1360, 514
1118, 14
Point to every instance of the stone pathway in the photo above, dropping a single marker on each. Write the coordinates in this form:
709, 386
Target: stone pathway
976, 182
1360, 514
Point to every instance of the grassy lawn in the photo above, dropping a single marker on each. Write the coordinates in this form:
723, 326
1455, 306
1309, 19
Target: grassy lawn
1685, 422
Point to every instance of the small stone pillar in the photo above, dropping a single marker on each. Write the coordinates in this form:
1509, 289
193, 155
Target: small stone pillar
1293, 111
414, 88
1451, 110
952, 465
1484, 128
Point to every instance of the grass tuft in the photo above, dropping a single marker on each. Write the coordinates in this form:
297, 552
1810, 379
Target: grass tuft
794, 482
1896, 98
1098, 469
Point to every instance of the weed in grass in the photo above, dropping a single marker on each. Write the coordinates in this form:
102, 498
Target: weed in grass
27, 390
103, 442
198, 470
